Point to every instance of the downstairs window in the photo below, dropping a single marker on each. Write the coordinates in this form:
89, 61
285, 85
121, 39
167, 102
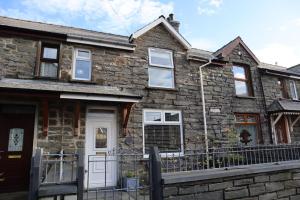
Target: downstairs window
164, 130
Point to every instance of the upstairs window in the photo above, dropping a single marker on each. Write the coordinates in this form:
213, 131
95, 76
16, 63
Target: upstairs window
161, 69
49, 61
293, 90
242, 81
163, 129
82, 65
282, 88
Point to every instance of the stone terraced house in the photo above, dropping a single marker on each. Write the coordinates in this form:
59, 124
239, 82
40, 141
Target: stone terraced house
65, 88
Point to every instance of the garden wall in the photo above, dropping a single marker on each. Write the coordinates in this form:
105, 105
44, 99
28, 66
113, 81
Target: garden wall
260, 182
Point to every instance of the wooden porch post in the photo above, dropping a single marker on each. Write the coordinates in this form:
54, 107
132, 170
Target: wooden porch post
45, 108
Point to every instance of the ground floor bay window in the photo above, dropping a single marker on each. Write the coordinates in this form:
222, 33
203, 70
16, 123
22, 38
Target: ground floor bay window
163, 129
247, 128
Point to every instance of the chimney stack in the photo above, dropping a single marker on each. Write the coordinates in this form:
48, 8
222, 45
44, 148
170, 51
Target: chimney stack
174, 23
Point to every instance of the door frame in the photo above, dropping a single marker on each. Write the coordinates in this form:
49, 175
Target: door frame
116, 119
36, 118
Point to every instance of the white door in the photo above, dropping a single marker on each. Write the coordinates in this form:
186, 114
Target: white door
100, 159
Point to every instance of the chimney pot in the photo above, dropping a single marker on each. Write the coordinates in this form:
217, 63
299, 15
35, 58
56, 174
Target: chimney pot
174, 23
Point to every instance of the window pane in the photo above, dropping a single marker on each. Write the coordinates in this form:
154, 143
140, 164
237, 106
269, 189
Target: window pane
166, 137
50, 53
101, 138
159, 77
247, 134
15, 141
240, 118
161, 58
293, 90
83, 69
83, 54
239, 72
172, 117
241, 88
153, 116
48, 69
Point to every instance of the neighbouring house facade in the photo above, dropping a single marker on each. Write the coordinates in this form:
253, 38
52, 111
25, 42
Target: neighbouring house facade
65, 88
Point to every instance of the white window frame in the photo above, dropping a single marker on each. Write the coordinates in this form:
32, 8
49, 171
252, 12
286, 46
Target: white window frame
293, 88
76, 57
157, 66
163, 122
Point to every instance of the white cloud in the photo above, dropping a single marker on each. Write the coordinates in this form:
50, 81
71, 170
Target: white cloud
209, 7
285, 55
216, 3
106, 15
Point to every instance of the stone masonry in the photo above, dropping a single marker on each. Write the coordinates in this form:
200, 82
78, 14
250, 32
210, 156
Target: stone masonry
283, 185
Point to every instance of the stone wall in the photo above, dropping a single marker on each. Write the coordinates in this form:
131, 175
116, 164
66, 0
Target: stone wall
61, 134
283, 184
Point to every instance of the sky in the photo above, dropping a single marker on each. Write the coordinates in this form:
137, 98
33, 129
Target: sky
270, 28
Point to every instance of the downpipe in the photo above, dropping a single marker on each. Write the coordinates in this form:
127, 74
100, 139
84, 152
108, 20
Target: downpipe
204, 111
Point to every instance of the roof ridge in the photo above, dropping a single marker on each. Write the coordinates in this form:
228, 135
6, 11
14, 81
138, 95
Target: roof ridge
63, 26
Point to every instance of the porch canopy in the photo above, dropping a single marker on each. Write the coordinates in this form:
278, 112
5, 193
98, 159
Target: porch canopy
45, 89
286, 108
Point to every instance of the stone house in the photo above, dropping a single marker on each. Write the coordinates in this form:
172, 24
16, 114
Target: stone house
65, 88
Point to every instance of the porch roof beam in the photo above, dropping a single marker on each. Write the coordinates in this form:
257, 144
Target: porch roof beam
100, 98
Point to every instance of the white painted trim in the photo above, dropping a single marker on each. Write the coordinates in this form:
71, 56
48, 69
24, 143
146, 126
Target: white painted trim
164, 123
75, 53
162, 51
169, 27
101, 44
158, 86
97, 98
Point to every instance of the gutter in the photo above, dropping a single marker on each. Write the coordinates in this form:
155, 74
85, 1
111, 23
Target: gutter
204, 109
96, 42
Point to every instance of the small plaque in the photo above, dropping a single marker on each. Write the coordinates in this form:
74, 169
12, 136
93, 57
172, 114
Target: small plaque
14, 156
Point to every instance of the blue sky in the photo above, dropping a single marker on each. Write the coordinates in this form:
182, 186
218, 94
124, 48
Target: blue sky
271, 28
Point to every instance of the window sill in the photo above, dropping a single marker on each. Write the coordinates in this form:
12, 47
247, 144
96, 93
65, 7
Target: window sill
161, 88
245, 97
82, 81
46, 78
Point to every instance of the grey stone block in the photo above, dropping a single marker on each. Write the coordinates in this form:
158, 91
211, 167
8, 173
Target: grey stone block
268, 196
286, 193
216, 195
245, 181
281, 176
274, 186
219, 186
233, 194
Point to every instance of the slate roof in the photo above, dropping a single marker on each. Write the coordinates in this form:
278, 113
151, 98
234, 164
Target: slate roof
284, 105
67, 30
226, 49
277, 68
52, 86
199, 53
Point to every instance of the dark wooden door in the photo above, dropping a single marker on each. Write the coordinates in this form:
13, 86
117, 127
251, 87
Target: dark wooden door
281, 131
16, 140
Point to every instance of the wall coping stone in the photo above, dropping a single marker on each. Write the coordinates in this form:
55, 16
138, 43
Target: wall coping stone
200, 175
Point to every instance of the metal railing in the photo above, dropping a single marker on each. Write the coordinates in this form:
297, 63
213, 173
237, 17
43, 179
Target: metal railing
58, 168
131, 179
227, 157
